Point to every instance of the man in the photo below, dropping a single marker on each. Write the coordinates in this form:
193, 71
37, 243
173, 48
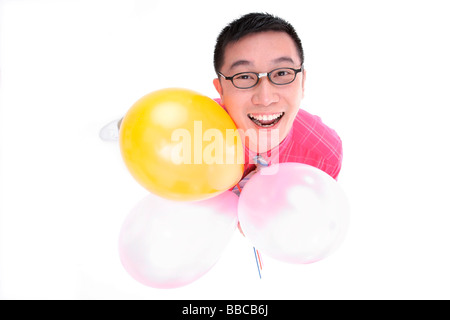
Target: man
259, 63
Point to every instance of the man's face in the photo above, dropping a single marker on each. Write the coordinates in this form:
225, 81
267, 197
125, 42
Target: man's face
267, 109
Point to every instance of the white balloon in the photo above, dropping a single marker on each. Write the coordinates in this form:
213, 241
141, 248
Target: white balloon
296, 214
168, 244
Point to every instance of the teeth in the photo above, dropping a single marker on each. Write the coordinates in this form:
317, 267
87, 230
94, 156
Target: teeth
266, 117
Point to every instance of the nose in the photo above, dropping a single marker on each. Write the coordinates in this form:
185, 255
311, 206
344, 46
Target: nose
265, 92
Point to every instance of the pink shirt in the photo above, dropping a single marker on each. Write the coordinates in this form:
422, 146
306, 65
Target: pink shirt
310, 142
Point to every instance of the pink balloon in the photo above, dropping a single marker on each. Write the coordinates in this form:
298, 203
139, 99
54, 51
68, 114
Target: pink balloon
294, 213
169, 244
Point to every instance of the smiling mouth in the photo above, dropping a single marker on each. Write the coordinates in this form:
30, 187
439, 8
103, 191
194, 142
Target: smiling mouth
266, 120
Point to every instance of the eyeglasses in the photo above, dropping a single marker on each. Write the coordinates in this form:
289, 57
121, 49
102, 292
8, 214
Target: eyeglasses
247, 80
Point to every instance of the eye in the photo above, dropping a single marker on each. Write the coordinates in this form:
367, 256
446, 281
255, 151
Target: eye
244, 76
282, 73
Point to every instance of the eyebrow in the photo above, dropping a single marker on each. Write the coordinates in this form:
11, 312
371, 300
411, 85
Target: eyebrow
283, 59
249, 63
240, 63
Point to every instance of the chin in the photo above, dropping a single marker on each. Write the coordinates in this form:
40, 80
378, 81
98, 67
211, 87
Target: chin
265, 140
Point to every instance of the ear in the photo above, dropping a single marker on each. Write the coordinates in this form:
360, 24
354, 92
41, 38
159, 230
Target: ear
218, 87
303, 81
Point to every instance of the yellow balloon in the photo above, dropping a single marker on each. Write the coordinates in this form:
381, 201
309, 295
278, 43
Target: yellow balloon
181, 145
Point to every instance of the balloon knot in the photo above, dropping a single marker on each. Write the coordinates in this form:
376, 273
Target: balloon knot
261, 161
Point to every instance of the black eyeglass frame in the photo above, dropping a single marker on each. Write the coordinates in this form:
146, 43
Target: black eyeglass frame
260, 75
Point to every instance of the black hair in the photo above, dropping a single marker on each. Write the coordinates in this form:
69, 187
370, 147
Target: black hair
249, 24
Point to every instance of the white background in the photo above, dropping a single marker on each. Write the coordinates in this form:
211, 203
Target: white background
377, 72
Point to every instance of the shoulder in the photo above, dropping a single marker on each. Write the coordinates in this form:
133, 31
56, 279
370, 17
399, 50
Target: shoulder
318, 142
311, 127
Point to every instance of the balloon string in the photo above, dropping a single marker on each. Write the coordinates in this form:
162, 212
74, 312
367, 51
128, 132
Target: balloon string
239, 188
257, 264
259, 259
